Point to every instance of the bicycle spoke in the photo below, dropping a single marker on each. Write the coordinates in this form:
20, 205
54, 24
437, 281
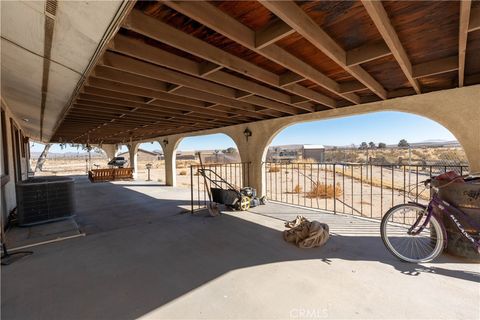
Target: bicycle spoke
422, 244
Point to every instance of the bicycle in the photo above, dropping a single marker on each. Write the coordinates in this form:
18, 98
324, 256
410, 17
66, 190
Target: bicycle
415, 233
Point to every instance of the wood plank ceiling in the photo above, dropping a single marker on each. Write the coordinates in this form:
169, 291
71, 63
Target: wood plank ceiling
184, 66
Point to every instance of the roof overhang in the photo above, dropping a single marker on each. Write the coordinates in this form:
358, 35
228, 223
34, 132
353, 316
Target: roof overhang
185, 66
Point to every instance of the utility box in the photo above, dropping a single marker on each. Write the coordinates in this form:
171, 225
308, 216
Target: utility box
45, 199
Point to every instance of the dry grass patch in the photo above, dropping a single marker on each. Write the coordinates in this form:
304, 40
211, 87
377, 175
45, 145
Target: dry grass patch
308, 160
321, 190
297, 189
274, 169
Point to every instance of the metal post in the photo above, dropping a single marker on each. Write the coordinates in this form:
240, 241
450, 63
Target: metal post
191, 187
334, 191
409, 164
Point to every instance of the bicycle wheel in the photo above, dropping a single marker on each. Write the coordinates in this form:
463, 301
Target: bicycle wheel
411, 247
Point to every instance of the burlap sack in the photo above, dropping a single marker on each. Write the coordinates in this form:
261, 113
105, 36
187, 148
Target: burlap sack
306, 234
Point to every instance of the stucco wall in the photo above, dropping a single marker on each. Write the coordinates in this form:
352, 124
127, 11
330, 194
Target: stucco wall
458, 110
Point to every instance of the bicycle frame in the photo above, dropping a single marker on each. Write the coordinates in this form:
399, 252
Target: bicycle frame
439, 207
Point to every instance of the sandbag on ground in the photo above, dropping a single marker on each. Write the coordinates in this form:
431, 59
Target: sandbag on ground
306, 234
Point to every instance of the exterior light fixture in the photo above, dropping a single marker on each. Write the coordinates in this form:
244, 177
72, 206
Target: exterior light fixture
247, 133
165, 141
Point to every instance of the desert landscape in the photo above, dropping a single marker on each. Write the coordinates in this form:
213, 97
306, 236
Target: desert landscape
363, 184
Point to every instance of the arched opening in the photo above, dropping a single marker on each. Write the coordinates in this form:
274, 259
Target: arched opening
150, 162
361, 165
218, 151
65, 159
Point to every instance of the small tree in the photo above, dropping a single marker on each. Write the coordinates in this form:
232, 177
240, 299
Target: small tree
363, 146
403, 143
372, 145
229, 150
382, 145
42, 158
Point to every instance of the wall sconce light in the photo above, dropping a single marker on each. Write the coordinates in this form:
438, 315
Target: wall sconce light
247, 133
165, 141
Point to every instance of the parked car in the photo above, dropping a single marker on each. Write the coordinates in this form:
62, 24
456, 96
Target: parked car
117, 162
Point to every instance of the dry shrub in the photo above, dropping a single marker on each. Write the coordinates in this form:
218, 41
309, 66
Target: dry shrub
320, 190
181, 164
274, 169
308, 160
297, 189
183, 173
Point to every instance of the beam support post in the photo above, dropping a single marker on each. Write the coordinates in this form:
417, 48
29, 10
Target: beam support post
110, 150
133, 152
169, 146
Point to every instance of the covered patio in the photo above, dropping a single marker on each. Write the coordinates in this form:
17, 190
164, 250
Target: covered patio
144, 257
109, 73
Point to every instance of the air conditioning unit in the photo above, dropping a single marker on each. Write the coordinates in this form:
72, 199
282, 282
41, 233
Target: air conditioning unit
45, 199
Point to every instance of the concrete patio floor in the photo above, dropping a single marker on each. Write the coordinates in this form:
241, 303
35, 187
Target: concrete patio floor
143, 258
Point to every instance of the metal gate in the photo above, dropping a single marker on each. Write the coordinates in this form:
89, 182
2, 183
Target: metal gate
352, 188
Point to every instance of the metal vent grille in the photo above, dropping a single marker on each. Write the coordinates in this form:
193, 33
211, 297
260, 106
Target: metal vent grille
51, 7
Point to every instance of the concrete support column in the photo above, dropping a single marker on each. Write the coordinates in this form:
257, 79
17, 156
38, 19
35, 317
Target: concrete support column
169, 146
132, 151
111, 150
253, 150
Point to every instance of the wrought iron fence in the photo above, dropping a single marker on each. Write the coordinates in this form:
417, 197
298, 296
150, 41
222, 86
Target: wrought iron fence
236, 174
359, 189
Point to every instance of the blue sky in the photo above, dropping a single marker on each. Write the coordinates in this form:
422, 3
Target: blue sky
388, 127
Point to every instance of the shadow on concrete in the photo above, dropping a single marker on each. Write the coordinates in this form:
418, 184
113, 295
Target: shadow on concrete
141, 253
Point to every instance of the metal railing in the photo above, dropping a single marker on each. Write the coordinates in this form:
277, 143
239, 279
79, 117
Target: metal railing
237, 174
352, 188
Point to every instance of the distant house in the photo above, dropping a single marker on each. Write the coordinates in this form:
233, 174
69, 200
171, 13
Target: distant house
313, 151
143, 155
186, 155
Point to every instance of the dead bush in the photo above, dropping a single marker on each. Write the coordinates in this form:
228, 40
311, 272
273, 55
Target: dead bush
308, 160
183, 173
321, 190
297, 189
274, 169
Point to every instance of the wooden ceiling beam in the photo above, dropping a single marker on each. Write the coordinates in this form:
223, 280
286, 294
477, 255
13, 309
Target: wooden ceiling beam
474, 23
217, 100
130, 96
121, 87
151, 54
90, 107
128, 64
307, 93
124, 77
104, 92
439, 66
179, 113
166, 116
260, 101
367, 52
351, 86
272, 33
293, 15
290, 78
134, 66
208, 67
380, 18
155, 29
214, 18
465, 7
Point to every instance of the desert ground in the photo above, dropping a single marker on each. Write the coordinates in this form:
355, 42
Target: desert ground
359, 189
